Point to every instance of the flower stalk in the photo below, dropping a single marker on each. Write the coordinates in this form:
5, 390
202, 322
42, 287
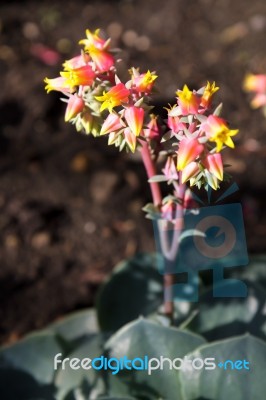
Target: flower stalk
191, 140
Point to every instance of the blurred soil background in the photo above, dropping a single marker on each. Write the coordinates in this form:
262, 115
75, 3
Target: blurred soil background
70, 206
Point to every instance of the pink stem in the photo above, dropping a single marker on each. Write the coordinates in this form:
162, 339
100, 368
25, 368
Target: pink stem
157, 200
151, 171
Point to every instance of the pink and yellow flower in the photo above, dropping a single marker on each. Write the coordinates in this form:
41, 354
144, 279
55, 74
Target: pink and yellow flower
134, 117
217, 131
190, 170
189, 150
94, 39
188, 101
153, 129
112, 123
74, 107
102, 59
116, 96
211, 180
173, 120
83, 76
214, 164
143, 82
169, 169
76, 62
58, 84
130, 139
255, 83
87, 121
209, 91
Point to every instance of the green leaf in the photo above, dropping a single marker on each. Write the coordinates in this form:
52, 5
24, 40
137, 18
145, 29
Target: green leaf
116, 398
255, 271
219, 318
76, 325
18, 385
33, 355
142, 338
158, 178
218, 110
134, 288
227, 384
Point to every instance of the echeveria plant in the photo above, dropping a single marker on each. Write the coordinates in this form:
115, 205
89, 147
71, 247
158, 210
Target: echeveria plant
190, 141
189, 147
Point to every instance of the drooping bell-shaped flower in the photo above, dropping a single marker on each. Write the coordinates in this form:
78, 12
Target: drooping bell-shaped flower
169, 169
103, 60
208, 93
190, 170
134, 117
117, 95
188, 101
58, 84
87, 121
83, 76
214, 164
211, 180
188, 151
143, 82
173, 120
153, 129
217, 131
131, 139
76, 62
94, 39
112, 123
74, 107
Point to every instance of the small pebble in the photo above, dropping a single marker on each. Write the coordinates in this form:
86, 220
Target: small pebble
30, 30
79, 163
129, 38
40, 240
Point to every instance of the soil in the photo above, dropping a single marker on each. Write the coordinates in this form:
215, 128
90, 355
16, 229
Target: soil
70, 205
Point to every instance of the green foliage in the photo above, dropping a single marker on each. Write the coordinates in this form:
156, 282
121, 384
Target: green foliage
134, 288
230, 383
143, 337
127, 311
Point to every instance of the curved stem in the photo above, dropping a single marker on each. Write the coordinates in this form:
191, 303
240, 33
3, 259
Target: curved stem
151, 171
157, 200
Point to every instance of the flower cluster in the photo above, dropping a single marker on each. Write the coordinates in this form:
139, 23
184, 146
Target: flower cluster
192, 137
97, 101
256, 84
199, 135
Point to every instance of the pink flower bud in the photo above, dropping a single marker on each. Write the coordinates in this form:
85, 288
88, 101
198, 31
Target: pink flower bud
111, 124
131, 139
214, 164
74, 107
189, 171
189, 150
153, 130
134, 117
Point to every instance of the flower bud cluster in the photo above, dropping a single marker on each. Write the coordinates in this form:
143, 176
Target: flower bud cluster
198, 135
98, 103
